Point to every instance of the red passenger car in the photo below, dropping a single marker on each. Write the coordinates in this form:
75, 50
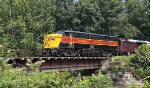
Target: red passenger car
129, 46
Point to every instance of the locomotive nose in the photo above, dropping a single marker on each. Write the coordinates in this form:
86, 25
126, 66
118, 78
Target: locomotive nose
52, 41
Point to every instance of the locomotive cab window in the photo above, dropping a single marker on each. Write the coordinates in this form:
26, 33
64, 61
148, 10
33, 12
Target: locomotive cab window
59, 32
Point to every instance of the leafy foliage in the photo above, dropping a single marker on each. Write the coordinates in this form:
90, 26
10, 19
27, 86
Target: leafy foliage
99, 16
140, 61
124, 60
134, 85
24, 22
138, 14
17, 78
119, 65
146, 84
141, 58
98, 81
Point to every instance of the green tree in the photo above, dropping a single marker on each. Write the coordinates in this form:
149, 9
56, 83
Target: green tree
84, 16
115, 20
60, 13
24, 22
138, 12
99, 16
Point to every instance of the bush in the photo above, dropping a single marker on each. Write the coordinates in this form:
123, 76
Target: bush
100, 81
124, 61
146, 84
141, 58
134, 85
79, 82
118, 66
17, 78
138, 73
140, 62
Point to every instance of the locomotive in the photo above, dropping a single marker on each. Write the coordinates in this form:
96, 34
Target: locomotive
74, 43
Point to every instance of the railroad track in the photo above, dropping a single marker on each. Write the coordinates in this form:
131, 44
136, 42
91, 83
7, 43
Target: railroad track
23, 58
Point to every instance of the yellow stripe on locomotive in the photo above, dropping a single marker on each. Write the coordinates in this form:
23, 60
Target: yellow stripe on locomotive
52, 41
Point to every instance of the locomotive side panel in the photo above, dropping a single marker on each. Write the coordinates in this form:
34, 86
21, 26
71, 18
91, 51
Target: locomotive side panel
81, 40
105, 42
86, 42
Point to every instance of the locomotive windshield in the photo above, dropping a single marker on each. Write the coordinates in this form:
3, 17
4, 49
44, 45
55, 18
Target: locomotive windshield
59, 32
63, 33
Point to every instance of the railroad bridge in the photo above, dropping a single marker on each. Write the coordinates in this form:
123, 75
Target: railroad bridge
63, 63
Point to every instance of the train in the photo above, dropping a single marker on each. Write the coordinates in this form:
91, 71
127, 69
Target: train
75, 43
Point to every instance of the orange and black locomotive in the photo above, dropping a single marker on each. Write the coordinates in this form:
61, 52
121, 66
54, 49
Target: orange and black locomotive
73, 43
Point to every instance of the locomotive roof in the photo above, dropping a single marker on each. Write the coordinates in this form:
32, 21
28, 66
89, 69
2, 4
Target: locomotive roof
85, 33
139, 41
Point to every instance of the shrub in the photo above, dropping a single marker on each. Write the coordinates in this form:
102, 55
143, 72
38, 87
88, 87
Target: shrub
17, 78
118, 66
134, 85
140, 62
124, 61
146, 84
80, 82
100, 81
138, 73
141, 58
